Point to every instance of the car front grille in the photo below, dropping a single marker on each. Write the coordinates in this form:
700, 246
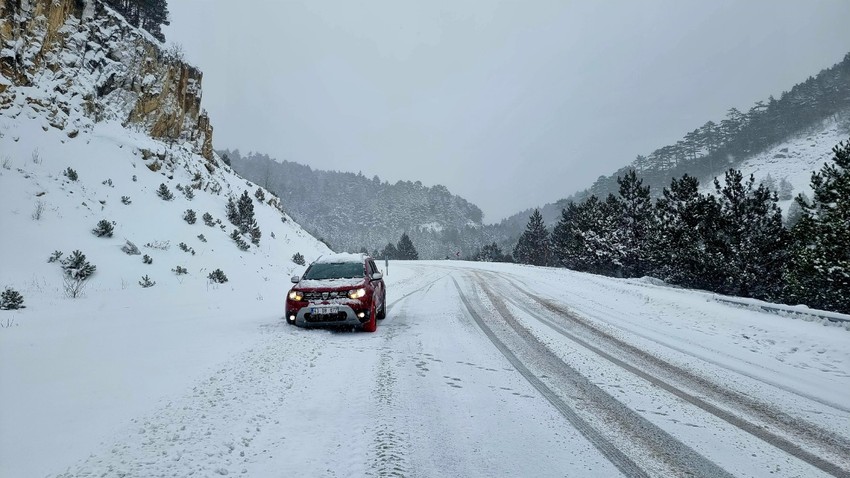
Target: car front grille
310, 296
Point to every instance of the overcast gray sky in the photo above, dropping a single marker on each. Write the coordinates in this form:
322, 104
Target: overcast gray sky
509, 104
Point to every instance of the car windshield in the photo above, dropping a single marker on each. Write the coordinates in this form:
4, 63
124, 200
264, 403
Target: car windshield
334, 270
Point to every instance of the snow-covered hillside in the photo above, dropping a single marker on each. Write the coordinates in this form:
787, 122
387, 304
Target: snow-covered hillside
796, 159
44, 211
82, 90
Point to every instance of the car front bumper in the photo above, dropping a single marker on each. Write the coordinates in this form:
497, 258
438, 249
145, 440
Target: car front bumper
345, 316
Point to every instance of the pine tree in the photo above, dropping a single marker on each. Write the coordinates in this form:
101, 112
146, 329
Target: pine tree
533, 245
491, 253
405, 249
164, 193
390, 251
637, 224
585, 237
245, 208
687, 249
755, 241
11, 299
819, 268
231, 212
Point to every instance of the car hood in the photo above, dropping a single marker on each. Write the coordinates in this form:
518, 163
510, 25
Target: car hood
329, 284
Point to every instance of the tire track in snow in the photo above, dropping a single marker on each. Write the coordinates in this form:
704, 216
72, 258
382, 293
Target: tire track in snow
602, 310
623, 463
389, 451
827, 441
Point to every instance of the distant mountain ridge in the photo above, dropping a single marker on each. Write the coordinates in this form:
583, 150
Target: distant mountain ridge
350, 211
805, 122
819, 104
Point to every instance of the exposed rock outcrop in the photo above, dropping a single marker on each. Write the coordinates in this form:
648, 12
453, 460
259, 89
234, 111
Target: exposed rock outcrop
80, 62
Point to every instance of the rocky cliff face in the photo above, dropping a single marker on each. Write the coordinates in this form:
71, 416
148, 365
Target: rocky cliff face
77, 62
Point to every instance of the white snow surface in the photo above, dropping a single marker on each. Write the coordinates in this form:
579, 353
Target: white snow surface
178, 380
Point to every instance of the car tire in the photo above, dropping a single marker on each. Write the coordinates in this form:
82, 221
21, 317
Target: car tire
372, 324
383, 313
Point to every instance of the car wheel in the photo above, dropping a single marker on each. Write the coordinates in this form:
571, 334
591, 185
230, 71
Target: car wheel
372, 324
383, 313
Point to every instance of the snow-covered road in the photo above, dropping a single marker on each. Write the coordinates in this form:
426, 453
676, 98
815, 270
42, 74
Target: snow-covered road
478, 370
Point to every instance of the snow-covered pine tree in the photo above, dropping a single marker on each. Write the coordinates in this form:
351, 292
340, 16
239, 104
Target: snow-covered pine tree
533, 245
637, 225
245, 207
686, 249
232, 212
405, 249
755, 239
11, 299
819, 268
584, 237
566, 240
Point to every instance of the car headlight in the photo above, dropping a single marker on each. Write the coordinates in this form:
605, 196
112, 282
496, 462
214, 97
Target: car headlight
357, 293
296, 295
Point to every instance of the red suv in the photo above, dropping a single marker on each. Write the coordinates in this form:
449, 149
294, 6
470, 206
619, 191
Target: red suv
338, 290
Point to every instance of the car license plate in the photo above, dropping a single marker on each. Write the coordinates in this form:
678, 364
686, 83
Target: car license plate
324, 310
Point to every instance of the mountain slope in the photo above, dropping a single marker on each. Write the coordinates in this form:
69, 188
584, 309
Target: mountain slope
85, 91
351, 211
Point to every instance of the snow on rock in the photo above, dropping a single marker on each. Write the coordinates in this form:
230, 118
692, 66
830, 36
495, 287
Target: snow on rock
77, 63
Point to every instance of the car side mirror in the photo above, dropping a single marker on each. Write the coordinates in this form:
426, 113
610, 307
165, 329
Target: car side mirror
295, 279
377, 276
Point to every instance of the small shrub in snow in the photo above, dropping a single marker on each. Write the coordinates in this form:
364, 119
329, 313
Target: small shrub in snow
135, 178
130, 249
208, 219
255, 235
240, 243
164, 193
161, 245
147, 259
217, 276
77, 271
108, 182
11, 299
146, 282
7, 163
260, 195
298, 259
283, 219
71, 174
104, 228
189, 193
179, 187
39, 210
272, 234
54, 257
77, 266
126, 200
36, 157
202, 238
183, 247
189, 216
179, 270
